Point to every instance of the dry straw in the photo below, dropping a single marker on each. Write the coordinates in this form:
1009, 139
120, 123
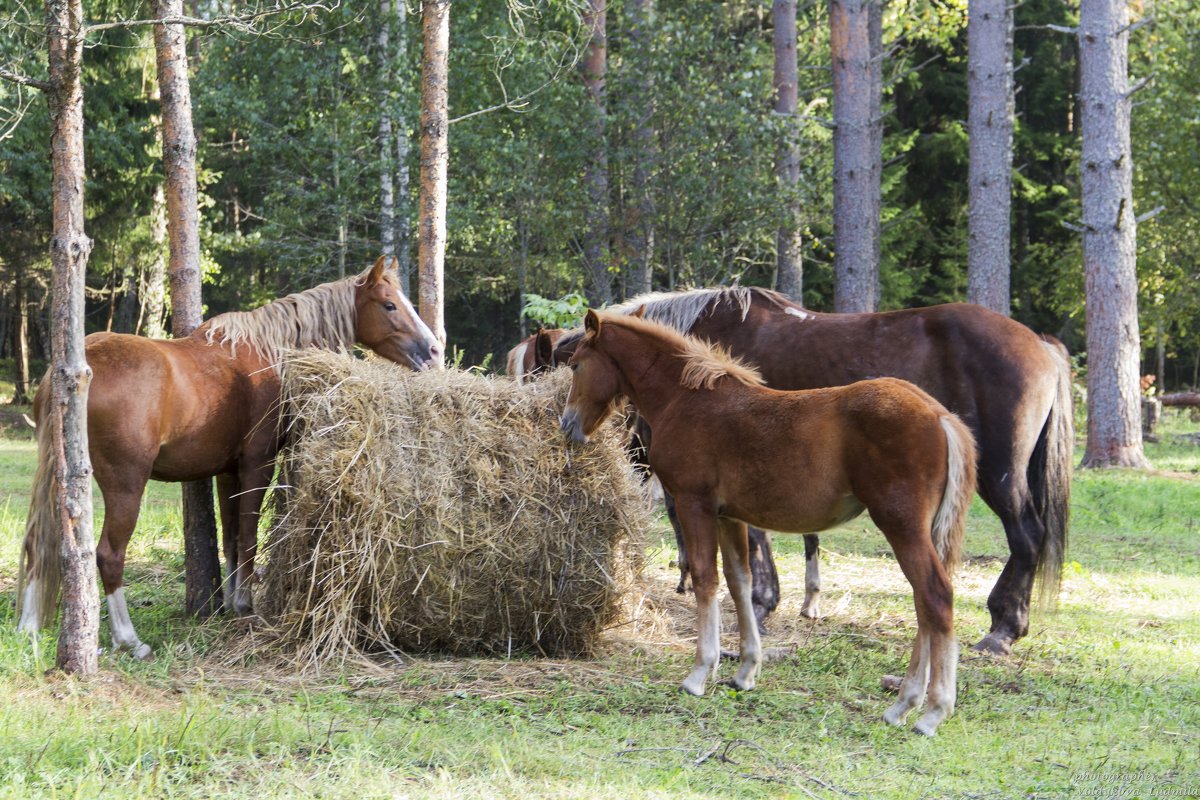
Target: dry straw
442, 511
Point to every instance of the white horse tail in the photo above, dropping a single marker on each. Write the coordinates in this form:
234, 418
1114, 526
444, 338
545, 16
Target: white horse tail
950, 521
39, 571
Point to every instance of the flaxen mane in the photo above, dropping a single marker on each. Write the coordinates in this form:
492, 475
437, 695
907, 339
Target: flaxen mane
323, 316
680, 310
704, 364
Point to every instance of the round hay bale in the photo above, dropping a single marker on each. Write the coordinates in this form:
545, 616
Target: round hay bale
443, 511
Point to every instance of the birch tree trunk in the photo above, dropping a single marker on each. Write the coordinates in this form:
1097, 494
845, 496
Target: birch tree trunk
435, 153
153, 293
70, 375
1109, 238
595, 178
789, 273
387, 79
403, 217
645, 147
21, 338
856, 50
990, 128
202, 564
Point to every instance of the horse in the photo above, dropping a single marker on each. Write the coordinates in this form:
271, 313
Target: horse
733, 452
196, 407
534, 355
1009, 385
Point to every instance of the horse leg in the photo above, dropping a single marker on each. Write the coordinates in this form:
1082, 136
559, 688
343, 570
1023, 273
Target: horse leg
1009, 600
735, 561
253, 480
699, 527
227, 499
812, 577
934, 661
680, 547
121, 506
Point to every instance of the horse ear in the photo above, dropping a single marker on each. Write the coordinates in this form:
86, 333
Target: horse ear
543, 348
376, 273
641, 311
591, 323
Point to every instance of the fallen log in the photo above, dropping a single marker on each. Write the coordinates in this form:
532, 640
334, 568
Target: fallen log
1184, 399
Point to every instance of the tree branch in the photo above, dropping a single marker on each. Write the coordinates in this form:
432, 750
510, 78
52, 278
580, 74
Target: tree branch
1150, 214
241, 21
1137, 87
25, 80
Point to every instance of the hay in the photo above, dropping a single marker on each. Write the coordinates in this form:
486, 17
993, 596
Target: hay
442, 511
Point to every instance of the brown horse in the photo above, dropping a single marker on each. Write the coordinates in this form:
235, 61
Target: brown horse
1010, 386
534, 355
734, 452
202, 406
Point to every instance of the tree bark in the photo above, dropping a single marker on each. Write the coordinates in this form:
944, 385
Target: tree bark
1109, 238
595, 178
403, 216
856, 51
202, 565
789, 273
387, 202
990, 128
153, 294
70, 375
21, 339
645, 146
435, 153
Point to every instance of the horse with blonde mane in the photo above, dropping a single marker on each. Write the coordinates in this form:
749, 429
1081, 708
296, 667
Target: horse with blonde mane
201, 406
733, 452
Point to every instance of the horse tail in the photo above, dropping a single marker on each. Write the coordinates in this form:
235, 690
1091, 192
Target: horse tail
950, 521
39, 567
1049, 479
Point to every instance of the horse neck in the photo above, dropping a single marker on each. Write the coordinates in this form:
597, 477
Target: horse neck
650, 369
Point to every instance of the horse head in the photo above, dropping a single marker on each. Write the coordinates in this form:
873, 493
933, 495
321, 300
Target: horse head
595, 383
388, 324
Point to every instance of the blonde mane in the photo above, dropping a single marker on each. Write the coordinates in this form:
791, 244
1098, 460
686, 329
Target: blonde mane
704, 363
323, 316
680, 310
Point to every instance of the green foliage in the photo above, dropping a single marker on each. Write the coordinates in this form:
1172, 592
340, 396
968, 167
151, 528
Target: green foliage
565, 312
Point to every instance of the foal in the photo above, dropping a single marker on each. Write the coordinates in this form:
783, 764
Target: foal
733, 452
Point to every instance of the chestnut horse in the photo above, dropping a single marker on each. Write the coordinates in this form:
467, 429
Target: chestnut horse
733, 452
202, 406
1010, 386
534, 355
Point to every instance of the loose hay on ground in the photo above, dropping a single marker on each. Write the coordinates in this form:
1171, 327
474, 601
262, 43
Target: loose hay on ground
442, 511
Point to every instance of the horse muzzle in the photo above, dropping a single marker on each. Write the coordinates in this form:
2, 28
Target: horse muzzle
572, 426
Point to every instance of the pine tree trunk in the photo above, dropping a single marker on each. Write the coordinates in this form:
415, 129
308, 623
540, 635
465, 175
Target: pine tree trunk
403, 216
856, 51
645, 146
70, 375
595, 178
1109, 238
387, 203
435, 126
990, 128
789, 272
202, 565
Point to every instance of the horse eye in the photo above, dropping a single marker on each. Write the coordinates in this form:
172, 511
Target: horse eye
389, 306
574, 367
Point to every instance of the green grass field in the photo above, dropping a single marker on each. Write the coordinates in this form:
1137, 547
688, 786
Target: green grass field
1102, 699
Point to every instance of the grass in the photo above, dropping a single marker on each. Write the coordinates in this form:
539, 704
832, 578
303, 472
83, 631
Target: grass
1101, 699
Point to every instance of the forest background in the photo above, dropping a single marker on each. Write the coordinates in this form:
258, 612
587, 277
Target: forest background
288, 121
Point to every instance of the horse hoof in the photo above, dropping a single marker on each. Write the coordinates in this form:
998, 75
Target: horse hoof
895, 715
994, 645
924, 729
142, 652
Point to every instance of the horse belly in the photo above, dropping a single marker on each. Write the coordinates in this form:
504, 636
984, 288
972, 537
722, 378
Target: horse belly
800, 513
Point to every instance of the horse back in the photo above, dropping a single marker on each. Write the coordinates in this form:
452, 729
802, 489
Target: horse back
177, 409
